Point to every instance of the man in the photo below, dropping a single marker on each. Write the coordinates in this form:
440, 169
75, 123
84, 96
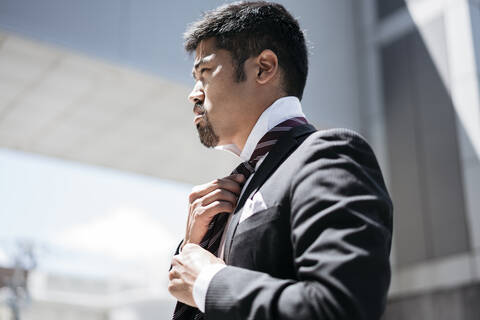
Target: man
302, 229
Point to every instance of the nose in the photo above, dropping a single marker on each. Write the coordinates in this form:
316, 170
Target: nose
197, 95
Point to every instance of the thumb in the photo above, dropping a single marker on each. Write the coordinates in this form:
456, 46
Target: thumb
240, 178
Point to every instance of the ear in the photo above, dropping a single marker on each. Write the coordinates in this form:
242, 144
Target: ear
267, 66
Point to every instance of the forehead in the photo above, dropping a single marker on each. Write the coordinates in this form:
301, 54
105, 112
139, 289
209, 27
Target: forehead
205, 49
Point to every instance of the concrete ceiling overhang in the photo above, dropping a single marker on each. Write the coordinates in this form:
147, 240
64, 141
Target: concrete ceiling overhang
62, 104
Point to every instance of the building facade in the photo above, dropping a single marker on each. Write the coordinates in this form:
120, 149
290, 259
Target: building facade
405, 74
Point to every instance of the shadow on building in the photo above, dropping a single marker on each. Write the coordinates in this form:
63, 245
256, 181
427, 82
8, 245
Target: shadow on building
431, 155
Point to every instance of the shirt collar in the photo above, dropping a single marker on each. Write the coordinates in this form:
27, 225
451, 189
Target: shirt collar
282, 109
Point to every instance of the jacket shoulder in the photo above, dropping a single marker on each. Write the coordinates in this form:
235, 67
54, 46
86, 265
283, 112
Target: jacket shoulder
338, 134
338, 139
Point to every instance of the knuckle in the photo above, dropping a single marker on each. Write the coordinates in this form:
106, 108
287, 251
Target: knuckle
222, 205
175, 260
195, 213
198, 212
197, 203
188, 246
218, 192
218, 182
195, 192
192, 196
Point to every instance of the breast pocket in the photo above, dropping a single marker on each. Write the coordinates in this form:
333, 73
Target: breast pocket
253, 206
257, 219
262, 242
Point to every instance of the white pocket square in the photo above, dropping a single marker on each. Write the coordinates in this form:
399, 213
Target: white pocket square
253, 206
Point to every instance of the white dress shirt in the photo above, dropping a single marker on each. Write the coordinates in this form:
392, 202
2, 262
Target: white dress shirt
282, 109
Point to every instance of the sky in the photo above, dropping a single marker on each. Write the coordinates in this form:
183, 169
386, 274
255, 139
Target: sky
89, 221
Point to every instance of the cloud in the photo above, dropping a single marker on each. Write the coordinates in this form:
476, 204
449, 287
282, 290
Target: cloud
3, 258
124, 234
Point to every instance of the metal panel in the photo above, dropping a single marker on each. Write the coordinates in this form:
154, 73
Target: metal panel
410, 240
438, 146
424, 156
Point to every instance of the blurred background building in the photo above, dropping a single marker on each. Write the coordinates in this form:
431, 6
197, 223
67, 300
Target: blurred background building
97, 90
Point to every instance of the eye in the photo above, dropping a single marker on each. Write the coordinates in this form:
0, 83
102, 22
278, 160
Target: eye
203, 70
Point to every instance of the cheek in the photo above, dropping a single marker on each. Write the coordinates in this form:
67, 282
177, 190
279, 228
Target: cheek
215, 99
209, 102
217, 70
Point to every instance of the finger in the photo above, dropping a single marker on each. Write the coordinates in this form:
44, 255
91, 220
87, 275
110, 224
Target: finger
238, 177
225, 183
217, 207
173, 274
177, 261
216, 195
174, 285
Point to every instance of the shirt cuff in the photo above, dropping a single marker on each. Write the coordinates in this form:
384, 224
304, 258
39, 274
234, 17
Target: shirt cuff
200, 286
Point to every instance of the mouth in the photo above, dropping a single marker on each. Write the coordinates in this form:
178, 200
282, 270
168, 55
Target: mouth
199, 113
197, 119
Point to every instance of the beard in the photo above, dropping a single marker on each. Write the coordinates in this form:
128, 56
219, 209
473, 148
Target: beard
207, 135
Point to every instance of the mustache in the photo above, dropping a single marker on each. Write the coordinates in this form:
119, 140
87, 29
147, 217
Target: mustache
198, 108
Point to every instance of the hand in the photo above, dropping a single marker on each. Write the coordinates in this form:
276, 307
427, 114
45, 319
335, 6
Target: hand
208, 200
186, 267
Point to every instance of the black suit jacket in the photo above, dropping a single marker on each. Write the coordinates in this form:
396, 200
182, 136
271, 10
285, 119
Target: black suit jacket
321, 248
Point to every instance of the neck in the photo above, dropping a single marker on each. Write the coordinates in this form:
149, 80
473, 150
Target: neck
247, 124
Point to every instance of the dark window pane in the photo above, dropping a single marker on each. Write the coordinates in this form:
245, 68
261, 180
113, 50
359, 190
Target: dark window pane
386, 7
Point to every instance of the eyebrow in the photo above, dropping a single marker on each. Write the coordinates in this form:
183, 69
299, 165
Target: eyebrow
199, 63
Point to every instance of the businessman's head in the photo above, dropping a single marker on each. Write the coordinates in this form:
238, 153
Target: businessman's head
247, 55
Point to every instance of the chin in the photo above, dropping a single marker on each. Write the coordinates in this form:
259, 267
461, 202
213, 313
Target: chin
207, 136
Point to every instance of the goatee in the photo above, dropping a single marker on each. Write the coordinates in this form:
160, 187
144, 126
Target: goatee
206, 133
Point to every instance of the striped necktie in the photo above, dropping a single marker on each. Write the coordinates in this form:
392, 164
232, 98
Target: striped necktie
211, 240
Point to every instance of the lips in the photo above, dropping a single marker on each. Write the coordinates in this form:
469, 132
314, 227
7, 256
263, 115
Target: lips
199, 112
197, 118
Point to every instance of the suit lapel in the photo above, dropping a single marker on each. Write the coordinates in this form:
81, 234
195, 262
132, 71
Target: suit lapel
275, 157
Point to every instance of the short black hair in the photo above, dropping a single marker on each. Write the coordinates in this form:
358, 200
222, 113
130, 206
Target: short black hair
247, 28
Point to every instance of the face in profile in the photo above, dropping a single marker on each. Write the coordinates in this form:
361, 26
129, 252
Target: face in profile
216, 96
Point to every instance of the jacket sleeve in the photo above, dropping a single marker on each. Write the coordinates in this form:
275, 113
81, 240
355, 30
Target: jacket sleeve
341, 225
